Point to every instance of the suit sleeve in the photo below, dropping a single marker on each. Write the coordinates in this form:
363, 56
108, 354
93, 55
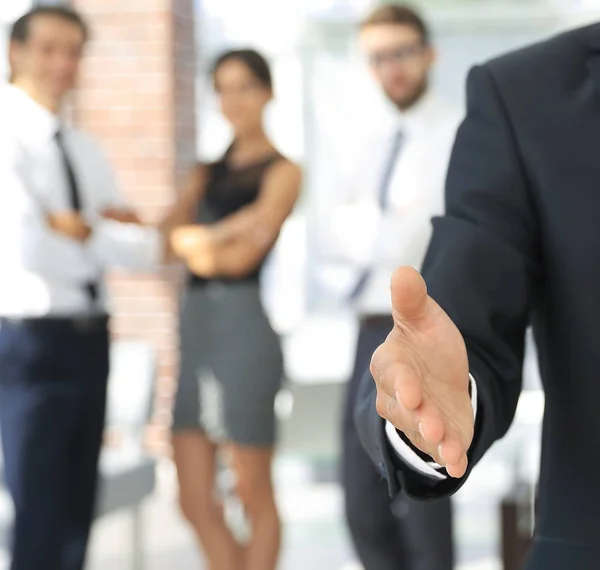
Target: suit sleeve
482, 267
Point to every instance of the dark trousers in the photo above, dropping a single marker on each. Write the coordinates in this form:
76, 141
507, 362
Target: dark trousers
405, 535
53, 377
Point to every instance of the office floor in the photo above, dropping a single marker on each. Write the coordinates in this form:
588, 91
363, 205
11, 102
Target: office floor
315, 536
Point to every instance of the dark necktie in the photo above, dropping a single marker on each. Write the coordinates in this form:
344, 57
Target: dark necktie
74, 194
74, 200
384, 195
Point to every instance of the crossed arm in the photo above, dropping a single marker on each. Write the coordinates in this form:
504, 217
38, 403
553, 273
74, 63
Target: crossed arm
235, 246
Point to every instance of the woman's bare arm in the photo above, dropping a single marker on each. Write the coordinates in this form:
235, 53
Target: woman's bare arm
237, 245
182, 212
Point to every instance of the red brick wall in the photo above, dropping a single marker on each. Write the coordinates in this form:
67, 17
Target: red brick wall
137, 97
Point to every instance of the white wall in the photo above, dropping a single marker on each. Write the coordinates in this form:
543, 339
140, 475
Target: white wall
10, 10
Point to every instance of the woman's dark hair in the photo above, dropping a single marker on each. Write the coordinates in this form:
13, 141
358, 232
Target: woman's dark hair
20, 29
256, 63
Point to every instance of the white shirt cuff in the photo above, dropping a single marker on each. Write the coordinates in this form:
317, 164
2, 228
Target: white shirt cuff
127, 246
404, 452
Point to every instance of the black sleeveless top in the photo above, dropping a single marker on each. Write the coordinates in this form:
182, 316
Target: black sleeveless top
229, 190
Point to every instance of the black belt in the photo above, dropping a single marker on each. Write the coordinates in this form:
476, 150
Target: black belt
199, 282
79, 323
377, 321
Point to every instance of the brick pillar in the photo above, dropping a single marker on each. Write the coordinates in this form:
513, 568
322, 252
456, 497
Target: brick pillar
137, 98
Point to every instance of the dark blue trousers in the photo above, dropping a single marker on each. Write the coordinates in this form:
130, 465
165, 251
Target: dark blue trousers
53, 377
406, 534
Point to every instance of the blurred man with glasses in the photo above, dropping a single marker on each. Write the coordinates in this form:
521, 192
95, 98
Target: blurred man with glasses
384, 222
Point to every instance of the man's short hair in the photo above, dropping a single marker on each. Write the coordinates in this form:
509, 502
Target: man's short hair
21, 28
398, 14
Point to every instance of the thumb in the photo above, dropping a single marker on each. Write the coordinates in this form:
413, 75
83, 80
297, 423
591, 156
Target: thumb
409, 294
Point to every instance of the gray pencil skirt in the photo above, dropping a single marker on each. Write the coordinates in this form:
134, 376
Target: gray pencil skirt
231, 365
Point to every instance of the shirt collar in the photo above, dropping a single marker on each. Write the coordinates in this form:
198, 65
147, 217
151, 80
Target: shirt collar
418, 116
33, 120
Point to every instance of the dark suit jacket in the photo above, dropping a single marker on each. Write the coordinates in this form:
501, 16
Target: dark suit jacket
520, 244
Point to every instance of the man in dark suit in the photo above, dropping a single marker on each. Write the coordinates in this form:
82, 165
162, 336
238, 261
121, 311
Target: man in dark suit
519, 244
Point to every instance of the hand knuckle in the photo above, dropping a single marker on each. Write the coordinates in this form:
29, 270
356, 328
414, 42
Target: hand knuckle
376, 369
381, 406
376, 358
379, 362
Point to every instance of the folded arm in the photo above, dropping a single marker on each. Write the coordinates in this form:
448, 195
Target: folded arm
403, 235
28, 241
182, 213
118, 238
235, 246
125, 245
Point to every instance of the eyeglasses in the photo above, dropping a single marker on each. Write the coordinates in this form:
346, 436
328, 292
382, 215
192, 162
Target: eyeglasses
242, 89
400, 54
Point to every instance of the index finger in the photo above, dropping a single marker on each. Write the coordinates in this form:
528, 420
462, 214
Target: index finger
396, 376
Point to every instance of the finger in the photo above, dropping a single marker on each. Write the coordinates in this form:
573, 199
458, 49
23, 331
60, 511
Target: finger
459, 468
411, 423
395, 413
408, 387
408, 423
433, 437
398, 379
407, 379
430, 423
452, 451
409, 295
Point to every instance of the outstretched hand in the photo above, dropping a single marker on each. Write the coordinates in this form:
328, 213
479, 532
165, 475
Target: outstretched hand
422, 375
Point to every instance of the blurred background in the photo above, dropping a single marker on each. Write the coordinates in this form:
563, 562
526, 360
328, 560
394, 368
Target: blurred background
146, 94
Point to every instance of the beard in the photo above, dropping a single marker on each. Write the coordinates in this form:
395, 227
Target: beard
408, 100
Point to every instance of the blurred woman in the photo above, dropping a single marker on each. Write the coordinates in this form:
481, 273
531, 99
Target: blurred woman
226, 222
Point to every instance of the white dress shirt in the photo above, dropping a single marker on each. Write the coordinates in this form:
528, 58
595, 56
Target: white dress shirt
43, 272
364, 235
360, 232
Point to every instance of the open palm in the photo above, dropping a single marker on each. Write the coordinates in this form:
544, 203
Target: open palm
422, 375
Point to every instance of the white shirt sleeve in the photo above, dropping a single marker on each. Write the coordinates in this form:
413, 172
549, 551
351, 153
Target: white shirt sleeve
126, 246
406, 454
118, 245
27, 243
402, 237
351, 231
351, 219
